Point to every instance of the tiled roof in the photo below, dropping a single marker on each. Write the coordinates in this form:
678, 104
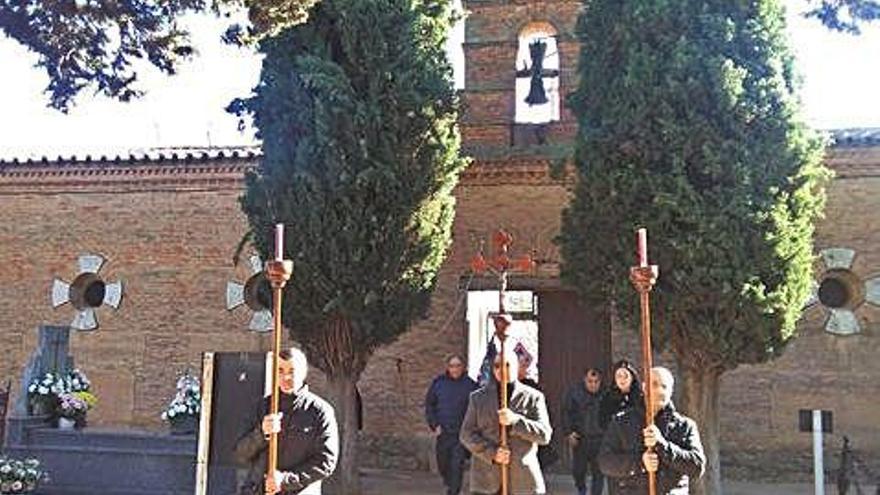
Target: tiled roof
840, 138
171, 155
855, 137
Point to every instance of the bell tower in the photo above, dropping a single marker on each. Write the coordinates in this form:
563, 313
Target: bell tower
520, 62
520, 59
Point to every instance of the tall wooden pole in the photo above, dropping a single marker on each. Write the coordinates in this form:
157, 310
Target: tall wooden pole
643, 278
502, 336
278, 271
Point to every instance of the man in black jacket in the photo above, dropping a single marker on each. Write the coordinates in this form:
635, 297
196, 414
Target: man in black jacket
445, 405
583, 429
308, 439
678, 454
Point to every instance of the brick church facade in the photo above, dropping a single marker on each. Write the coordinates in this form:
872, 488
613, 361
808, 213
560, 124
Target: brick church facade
168, 222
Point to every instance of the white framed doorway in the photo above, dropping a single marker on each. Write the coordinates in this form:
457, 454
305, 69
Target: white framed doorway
481, 306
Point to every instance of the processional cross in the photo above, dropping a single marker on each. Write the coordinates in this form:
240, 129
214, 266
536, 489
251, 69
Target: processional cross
537, 94
501, 265
643, 278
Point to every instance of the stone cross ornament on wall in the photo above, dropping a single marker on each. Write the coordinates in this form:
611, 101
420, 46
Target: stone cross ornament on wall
88, 292
255, 293
842, 291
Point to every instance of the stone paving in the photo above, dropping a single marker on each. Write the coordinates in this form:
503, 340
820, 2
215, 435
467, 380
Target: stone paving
381, 482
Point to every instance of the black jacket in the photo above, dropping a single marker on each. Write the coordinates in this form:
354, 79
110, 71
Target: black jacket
308, 445
680, 452
614, 402
447, 401
582, 412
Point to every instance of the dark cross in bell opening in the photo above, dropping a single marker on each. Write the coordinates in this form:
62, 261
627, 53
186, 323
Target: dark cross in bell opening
537, 73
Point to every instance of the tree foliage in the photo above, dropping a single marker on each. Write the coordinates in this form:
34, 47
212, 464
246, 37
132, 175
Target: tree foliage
97, 44
846, 15
689, 125
358, 117
357, 114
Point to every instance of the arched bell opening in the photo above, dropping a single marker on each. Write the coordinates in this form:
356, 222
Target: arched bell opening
537, 75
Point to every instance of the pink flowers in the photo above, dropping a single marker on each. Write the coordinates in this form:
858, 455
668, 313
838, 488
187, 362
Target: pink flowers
74, 405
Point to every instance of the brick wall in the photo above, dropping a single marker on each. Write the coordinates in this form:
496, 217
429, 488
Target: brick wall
171, 246
818, 370
171, 249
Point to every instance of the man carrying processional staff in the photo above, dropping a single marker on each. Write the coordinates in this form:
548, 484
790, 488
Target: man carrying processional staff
527, 425
648, 448
653, 449
308, 447
291, 442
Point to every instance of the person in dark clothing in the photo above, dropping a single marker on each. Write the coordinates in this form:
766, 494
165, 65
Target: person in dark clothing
445, 405
308, 437
624, 393
678, 454
583, 427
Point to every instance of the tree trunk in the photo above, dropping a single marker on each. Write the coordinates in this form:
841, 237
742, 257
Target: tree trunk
346, 480
700, 400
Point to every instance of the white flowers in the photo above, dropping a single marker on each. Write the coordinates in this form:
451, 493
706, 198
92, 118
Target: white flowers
187, 400
17, 476
48, 390
56, 384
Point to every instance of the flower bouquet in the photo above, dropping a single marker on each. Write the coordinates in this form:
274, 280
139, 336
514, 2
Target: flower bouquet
182, 413
43, 393
73, 406
17, 476
62, 396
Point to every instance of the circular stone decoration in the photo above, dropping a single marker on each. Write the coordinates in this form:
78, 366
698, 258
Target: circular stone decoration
255, 294
87, 292
834, 293
258, 292
842, 292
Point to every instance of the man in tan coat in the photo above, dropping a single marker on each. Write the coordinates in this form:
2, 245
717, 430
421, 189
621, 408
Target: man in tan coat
527, 423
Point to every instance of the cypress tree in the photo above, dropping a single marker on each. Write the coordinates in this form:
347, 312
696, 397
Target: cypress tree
357, 113
689, 126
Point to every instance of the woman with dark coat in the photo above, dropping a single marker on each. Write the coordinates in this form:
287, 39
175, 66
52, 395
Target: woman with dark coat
624, 393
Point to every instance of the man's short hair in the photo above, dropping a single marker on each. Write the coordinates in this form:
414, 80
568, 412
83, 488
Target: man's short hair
593, 372
299, 360
503, 316
665, 375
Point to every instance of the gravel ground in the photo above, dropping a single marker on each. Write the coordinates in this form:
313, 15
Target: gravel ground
380, 482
